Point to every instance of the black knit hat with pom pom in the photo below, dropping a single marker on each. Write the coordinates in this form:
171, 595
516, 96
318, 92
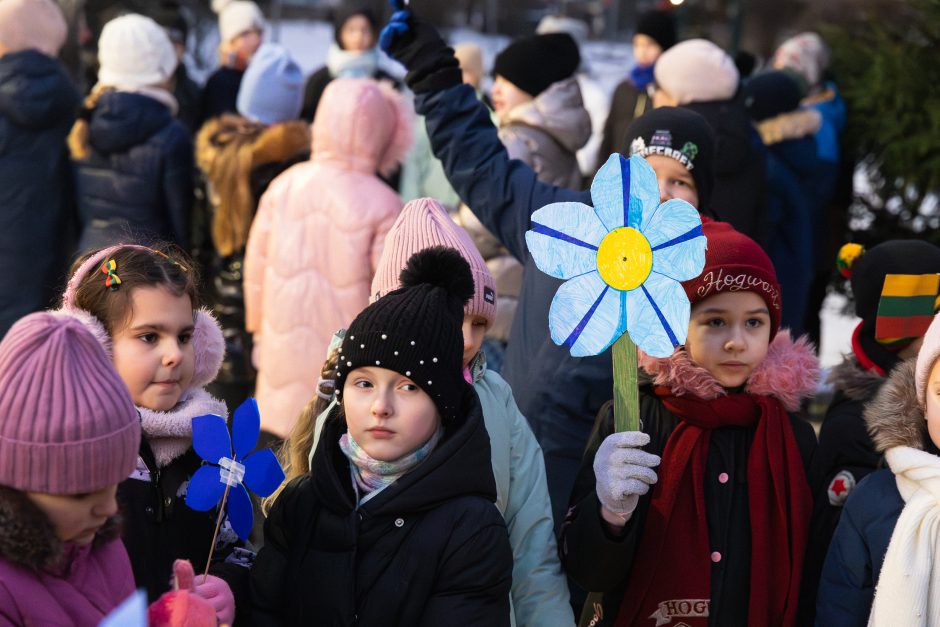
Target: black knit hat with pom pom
416, 330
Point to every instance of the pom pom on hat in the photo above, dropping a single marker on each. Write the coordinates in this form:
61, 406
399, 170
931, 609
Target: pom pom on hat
848, 255
416, 330
134, 52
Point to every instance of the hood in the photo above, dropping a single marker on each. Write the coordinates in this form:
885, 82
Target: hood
790, 125
895, 417
28, 539
362, 125
35, 91
123, 119
789, 373
559, 112
855, 382
459, 466
733, 134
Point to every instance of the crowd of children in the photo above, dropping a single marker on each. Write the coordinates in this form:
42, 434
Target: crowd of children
422, 487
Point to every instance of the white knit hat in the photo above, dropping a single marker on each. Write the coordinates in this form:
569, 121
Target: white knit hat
237, 17
696, 70
134, 52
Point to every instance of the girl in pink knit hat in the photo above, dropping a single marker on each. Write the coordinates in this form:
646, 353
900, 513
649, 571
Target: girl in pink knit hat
142, 304
68, 435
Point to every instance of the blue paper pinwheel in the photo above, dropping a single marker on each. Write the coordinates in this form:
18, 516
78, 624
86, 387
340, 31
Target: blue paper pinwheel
622, 261
233, 463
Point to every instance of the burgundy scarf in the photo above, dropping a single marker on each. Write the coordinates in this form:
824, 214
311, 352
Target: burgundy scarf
780, 506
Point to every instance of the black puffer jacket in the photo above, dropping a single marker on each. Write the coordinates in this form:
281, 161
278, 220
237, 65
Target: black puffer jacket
138, 182
37, 109
431, 549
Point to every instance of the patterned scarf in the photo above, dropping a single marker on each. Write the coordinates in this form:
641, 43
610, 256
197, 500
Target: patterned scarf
371, 474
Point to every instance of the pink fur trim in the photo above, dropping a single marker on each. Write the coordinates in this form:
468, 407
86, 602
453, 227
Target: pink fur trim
90, 265
789, 373
400, 142
170, 433
91, 323
209, 347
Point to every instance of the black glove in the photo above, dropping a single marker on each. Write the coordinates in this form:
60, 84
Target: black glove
417, 45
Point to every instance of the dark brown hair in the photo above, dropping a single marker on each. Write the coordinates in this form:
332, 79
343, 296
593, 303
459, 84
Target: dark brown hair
164, 265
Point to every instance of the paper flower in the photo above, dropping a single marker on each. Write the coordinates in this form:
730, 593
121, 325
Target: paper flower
236, 467
622, 261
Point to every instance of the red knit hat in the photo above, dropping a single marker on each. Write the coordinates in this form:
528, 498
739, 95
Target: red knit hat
736, 263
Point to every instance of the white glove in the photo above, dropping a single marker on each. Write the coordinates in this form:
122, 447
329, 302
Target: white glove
623, 473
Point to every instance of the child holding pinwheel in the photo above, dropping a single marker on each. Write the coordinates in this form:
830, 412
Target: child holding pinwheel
394, 525
701, 515
142, 305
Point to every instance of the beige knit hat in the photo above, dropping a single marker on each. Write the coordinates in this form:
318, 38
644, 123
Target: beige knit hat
32, 24
424, 223
697, 70
237, 17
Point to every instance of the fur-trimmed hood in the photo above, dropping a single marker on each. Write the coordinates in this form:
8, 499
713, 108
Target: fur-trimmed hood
789, 373
29, 539
895, 417
791, 125
854, 381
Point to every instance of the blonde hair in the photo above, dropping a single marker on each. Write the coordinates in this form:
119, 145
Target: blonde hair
79, 135
294, 453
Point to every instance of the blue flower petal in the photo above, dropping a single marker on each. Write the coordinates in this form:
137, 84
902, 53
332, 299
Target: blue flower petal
263, 474
239, 511
623, 191
205, 489
564, 239
658, 315
587, 315
674, 231
246, 426
210, 438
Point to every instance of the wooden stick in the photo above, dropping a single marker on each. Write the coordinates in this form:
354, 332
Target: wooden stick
215, 534
626, 394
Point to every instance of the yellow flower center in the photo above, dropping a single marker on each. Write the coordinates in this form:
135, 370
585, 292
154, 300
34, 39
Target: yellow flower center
624, 259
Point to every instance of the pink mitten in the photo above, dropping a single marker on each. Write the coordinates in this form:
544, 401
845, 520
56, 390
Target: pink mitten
219, 596
182, 607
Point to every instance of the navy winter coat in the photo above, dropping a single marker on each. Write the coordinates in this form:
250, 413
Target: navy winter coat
37, 108
138, 182
558, 393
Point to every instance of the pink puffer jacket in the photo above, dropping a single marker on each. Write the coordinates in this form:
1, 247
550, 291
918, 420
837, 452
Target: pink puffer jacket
316, 240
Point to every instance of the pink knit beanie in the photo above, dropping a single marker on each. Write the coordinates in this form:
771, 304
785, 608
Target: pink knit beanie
32, 24
67, 422
926, 357
424, 223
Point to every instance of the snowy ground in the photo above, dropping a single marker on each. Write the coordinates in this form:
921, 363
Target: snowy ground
607, 63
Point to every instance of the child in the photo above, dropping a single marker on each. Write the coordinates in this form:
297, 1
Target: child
241, 29
720, 538
144, 307
133, 160
68, 436
539, 593
559, 394
316, 240
846, 452
37, 108
394, 525
881, 566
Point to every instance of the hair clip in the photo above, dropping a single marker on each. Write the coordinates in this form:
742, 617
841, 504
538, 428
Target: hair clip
112, 280
171, 260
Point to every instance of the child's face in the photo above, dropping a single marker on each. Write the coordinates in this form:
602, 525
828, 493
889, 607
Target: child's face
933, 404
152, 351
77, 518
474, 330
728, 335
506, 97
387, 414
674, 180
356, 34
645, 50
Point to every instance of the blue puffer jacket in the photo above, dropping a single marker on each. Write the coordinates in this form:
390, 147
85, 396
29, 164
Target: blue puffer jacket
850, 574
138, 182
37, 109
558, 393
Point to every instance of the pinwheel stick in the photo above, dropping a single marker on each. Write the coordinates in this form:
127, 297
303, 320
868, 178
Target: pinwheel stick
626, 394
215, 534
